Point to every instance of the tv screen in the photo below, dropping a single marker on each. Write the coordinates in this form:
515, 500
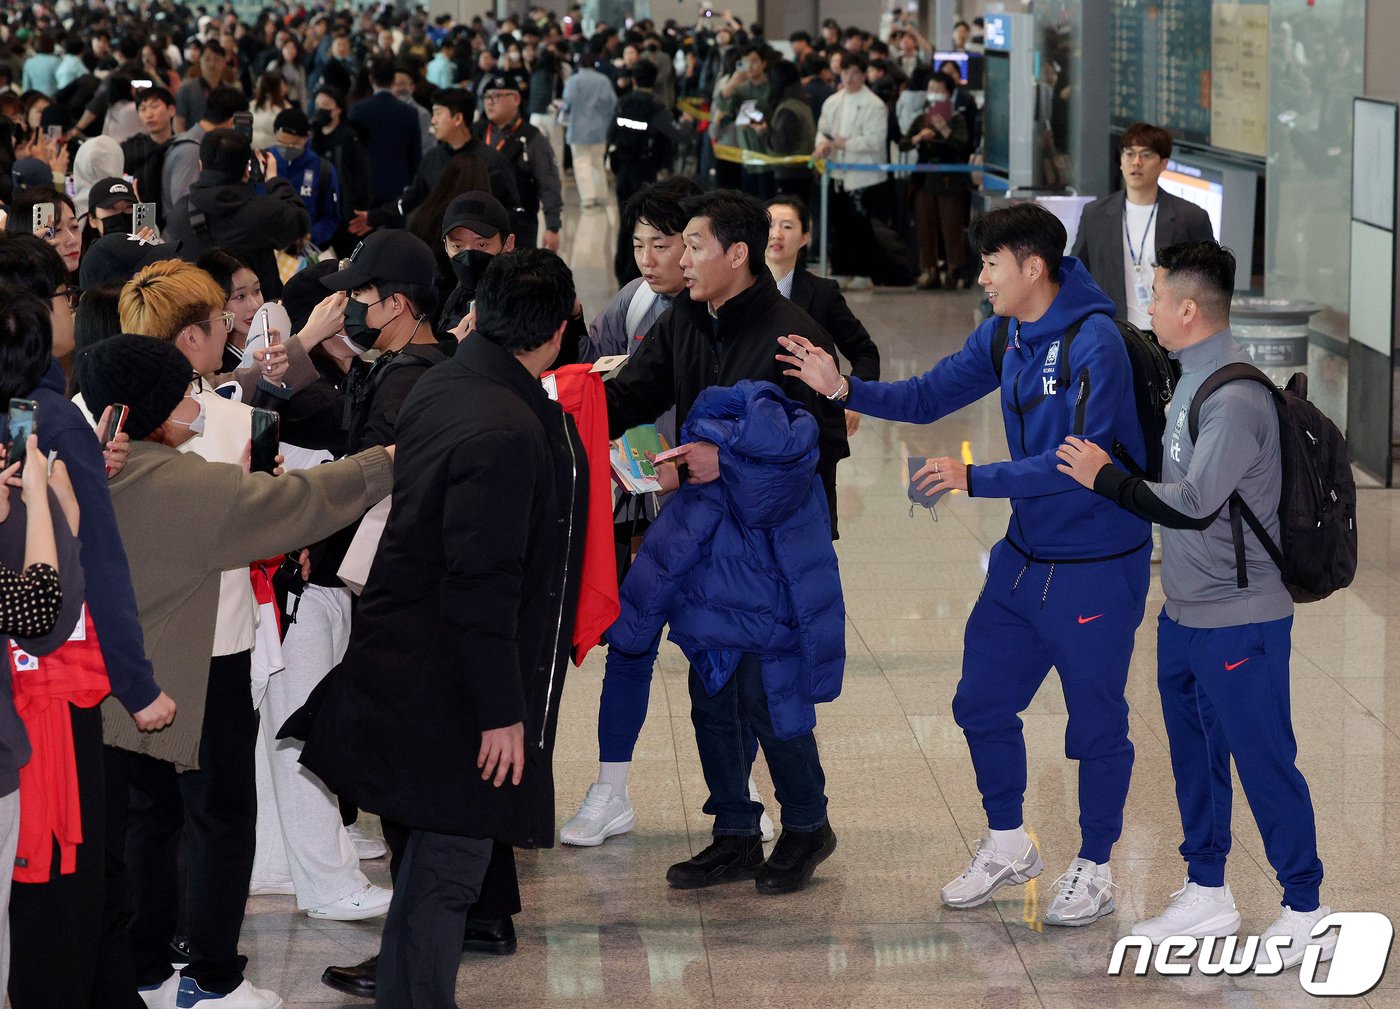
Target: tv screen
1197, 184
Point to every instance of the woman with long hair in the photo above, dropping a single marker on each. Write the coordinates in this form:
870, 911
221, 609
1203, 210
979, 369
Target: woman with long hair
269, 98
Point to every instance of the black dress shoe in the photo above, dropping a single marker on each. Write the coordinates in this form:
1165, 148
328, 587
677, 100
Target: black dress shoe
795, 857
357, 980
490, 935
726, 860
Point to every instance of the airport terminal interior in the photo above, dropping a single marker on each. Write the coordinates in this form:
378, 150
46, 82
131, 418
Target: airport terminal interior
600, 928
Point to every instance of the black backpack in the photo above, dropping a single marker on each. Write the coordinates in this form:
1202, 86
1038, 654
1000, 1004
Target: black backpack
1154, 380
1317, 505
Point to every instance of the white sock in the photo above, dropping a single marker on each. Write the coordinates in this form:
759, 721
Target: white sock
1012, 842
1213, 892
615, 775
1103, 871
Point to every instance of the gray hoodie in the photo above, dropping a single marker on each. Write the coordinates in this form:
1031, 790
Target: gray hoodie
1237, 450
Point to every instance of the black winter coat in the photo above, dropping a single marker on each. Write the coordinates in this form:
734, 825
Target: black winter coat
821, 298
467, 619
685, 352
250, 226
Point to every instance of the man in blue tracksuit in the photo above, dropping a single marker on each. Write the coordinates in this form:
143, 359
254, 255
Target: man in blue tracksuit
1222, 647
1067, 585
312, 176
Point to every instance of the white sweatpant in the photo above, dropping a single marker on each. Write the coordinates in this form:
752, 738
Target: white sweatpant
548, 124
300, 834
588, 172
9, 844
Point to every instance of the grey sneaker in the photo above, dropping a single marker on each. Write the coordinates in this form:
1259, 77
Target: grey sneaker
989, 871
1084, 894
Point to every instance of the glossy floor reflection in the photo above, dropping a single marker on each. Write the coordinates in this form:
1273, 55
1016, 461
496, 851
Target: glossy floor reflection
600, 928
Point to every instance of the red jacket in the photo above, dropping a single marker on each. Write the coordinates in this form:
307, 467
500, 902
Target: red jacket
48, 785
580, 393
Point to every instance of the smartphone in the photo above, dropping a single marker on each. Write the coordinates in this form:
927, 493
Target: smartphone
21, 422
137, 85
143, 215
267, 427
55, 133
271, 325
115, 422
243, 124
42, 222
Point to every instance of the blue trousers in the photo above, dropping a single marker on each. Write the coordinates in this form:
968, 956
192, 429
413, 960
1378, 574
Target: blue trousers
1225, 693
1079, 618
725, 725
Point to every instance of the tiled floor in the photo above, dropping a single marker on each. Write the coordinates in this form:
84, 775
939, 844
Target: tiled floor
600, 928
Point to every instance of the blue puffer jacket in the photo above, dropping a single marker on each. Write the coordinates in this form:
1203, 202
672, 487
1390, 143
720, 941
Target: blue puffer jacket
745, 564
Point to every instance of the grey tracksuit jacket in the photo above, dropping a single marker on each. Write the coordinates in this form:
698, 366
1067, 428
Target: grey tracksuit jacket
1237, 450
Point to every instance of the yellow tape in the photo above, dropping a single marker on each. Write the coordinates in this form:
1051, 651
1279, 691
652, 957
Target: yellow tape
728, 152
694, 108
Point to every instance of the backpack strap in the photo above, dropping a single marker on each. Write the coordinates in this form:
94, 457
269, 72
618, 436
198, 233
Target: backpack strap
1000, 336
642, 300
1240, 513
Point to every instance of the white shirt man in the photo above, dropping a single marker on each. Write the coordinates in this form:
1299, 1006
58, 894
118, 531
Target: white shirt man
854, 127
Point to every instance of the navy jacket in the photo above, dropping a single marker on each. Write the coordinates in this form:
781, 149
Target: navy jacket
111, 601
395, 139
745, 564
1052, 517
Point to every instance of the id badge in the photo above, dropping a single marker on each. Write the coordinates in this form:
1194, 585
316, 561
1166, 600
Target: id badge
1143, 293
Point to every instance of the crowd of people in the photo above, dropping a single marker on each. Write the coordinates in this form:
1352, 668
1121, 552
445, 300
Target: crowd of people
285, 312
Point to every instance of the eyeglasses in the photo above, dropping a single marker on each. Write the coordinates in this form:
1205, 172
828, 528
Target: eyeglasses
225, 317
497, 96
73, 296
1139, 154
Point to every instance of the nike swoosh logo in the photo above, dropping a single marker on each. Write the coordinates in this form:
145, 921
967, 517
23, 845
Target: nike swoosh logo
1234, 665
1090, 620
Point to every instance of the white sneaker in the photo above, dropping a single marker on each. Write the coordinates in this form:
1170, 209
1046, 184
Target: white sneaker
245, 996
163, 995
1084, 894
366, 844
765, 822
989, 871
1298, 926
271, 888
859, 284
1195, 912
369, 901
602, 815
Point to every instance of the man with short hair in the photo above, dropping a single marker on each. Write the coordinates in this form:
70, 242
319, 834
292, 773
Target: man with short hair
313, 178
109, 206
390, 129
143, 155
403, 89
193, 93
1119, 234
453, 112
721, 334
1067, 585
641, 142
531, 159
475, 587
475, 229
181, 167
1224, 634
801, 46
854, 126
224, 208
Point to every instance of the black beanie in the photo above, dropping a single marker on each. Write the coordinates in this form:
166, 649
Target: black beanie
150, 376
304, 292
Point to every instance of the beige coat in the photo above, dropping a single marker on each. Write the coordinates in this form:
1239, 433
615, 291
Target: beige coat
183, 520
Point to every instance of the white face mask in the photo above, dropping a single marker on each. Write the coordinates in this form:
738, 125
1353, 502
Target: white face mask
196, 426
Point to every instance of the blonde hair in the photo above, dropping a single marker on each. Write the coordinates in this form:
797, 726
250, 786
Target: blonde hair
166, 297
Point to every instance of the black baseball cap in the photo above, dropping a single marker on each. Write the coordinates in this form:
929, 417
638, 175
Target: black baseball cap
292, 121
107, 193
116, 258
500, 82
479, 212
390, 255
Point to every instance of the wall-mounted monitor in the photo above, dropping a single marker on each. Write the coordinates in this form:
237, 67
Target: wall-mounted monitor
1205, 187
969, 66
1228, 193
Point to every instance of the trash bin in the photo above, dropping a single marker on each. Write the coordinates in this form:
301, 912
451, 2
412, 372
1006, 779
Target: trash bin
1275, 331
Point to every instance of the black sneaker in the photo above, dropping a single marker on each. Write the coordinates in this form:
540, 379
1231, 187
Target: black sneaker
490, 935
795, 857
726, 860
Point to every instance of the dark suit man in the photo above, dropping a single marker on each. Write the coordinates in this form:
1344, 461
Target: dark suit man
393, 133
1119, 235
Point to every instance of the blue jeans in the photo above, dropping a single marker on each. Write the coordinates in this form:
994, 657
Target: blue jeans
722, 733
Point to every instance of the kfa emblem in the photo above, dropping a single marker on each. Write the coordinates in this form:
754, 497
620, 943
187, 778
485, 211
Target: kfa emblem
1052, 356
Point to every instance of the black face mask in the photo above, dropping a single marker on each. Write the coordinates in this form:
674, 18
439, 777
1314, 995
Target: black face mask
118, 224
468, 266
321, 117
357, 334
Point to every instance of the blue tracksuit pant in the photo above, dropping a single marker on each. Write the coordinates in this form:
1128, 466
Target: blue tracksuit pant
1225, 693
1079, 618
